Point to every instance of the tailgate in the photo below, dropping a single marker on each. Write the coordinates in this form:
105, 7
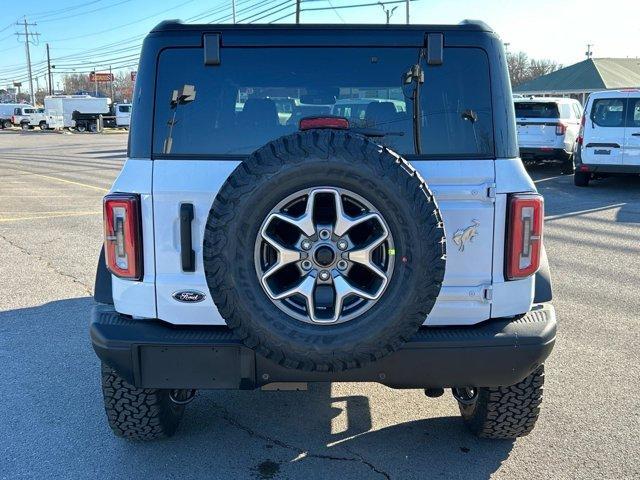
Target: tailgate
538, 132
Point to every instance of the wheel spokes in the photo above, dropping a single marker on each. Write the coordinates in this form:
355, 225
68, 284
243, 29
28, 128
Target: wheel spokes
285, 256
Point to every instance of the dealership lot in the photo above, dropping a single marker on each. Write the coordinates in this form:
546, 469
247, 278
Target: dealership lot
52, 421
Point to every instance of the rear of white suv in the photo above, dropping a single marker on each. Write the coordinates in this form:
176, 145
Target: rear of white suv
609, 139
244, 251
547, 129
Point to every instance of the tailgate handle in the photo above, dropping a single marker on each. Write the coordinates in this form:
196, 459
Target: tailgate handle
186, 245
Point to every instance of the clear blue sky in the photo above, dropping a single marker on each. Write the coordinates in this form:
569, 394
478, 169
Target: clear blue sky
554, 29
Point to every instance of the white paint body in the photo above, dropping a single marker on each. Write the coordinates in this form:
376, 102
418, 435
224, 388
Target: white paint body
65, 105
604, 144
468, 193
533, 133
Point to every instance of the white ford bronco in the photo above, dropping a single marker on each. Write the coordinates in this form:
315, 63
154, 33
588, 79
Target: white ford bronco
245, 251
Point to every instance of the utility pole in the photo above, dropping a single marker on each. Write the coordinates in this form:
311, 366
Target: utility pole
388, 12
297, 12
95, 79
111, 80
407, 7
49, 71
233, 10
26, 34
589, 53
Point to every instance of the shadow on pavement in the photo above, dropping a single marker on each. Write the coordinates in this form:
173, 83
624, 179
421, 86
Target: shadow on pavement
564, 199
53, 425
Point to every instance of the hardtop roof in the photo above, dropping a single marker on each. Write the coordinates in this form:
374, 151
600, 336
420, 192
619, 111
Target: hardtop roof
179, 26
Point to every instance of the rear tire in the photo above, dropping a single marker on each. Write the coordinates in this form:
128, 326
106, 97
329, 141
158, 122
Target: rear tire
43, 125
567, 166
6, 124
93, 127
81, 127
25, 126
505, 412
581, 179
138, 413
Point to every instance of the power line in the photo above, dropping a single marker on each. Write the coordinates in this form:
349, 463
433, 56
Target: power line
27, 41
80, 14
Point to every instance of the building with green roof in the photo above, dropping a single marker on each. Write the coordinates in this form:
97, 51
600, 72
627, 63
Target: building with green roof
581, 79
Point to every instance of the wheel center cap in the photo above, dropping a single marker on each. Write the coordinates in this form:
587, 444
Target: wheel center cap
324, 256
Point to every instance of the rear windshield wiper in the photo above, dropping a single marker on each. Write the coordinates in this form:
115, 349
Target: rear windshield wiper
372, 132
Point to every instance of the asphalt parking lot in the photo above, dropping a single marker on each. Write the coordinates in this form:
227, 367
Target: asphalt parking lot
52, 421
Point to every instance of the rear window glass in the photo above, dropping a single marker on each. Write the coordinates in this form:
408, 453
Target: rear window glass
124, 108
258, 94
537, 110
608, 112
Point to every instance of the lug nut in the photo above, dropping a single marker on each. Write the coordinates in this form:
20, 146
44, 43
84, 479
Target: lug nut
306, 244
342, 244
325, 234
342, 265
306, 265
324, 275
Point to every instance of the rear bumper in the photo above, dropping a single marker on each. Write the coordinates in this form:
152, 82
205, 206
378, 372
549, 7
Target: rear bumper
603, 167
153, 354
539, 153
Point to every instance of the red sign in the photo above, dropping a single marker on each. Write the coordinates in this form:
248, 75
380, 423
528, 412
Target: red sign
133, 76
100, 77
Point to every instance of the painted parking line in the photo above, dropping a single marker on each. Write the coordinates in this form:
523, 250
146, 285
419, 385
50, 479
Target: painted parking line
39, 216
547, 179
63, 180
583, 212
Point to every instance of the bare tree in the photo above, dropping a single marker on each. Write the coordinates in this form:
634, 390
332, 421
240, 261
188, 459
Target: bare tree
523, 69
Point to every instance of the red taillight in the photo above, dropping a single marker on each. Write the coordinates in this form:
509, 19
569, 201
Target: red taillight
13, 119
524, 238
122, 235
561, 128
580, 137
339, 123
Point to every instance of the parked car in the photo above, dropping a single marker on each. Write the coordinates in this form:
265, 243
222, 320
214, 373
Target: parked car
119, 116
9, 112
39, 117
241, 253
547, 129
609, 137
355, 109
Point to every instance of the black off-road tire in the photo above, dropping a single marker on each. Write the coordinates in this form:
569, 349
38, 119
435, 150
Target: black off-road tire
43, 125
138, 413
25, 126
7, 124
306, 160
506, 412
581, 179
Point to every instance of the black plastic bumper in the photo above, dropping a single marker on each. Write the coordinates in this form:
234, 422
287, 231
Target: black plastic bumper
153, 354
530, 153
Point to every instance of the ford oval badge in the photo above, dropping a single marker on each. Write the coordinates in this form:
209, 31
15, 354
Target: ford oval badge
189, 296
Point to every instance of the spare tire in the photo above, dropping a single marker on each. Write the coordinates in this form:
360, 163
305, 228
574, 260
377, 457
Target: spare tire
324, 251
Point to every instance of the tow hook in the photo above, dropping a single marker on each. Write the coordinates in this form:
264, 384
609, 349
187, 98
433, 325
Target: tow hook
182, 397
465, 395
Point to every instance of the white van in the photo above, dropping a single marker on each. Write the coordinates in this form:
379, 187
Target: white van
547, 129
609, 138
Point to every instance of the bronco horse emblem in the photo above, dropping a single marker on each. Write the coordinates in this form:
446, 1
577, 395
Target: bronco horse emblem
462, 236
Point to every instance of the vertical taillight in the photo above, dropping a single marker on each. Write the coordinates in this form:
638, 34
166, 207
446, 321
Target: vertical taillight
580, 137
524, 236
123, 235
561, 128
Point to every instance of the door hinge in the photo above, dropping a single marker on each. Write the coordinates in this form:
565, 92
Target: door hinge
491, 191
